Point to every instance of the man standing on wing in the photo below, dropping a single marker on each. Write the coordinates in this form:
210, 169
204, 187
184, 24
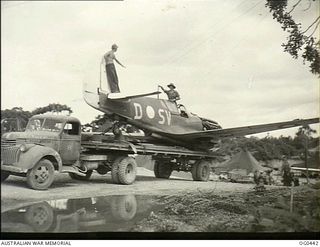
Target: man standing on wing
111, 72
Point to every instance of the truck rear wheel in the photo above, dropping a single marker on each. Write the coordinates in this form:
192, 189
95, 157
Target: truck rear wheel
82, 178
162, 169
127, 170
4, 175
41, 176
115, 169
201, 171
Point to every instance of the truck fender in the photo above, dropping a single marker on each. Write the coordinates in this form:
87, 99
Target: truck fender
35, 153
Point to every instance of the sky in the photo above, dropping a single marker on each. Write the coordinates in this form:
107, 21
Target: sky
225, 57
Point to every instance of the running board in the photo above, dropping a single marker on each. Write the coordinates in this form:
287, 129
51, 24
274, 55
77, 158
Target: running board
72, 169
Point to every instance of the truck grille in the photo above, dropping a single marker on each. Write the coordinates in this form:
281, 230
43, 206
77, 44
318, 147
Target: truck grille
8, 143
9, 155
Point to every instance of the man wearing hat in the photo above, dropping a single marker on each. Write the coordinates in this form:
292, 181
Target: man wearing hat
173, 95
111, 69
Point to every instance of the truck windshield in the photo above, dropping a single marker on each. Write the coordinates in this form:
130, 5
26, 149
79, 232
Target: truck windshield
37, 124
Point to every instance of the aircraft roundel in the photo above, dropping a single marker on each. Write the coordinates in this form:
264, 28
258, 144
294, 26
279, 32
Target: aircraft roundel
150, 111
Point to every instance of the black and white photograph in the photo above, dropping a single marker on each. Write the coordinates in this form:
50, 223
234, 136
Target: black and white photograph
160, 119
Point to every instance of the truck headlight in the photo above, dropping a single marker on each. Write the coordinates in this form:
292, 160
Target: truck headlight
23, 148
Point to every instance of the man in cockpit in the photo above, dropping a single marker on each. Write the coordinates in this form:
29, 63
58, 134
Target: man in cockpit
173, 94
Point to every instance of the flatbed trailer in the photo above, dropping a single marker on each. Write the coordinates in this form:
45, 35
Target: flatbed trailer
37, 154
128, 147
167, 158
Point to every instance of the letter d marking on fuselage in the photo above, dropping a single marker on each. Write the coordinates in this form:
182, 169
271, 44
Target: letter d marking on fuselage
138, 111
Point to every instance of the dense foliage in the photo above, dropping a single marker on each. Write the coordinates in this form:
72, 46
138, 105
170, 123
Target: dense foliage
267, 148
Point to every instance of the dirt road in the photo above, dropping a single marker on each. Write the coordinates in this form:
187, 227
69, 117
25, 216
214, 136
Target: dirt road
15, 193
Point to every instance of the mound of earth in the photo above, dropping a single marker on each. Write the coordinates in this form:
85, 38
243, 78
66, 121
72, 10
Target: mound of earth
273, 210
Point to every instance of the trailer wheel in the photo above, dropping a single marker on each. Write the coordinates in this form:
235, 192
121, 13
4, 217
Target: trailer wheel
194, 171
201, 171
124, 207
41, 176
162, 169
4, 175
39, 216
127, 170
82, 178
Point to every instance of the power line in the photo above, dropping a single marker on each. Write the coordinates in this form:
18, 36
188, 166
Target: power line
199, 43
187, 47
237, 44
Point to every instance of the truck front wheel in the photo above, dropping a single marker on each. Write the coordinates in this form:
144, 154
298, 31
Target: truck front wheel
4, 175
201, 171
41, 176
162, 169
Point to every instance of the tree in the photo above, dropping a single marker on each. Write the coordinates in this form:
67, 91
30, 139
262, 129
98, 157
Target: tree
52, 108
298, 39
16, 119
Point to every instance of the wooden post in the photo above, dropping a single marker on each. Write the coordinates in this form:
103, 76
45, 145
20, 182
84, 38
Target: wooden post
100, 77
306, 157
291, 199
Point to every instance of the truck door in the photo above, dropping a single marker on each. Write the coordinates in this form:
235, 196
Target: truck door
70, 143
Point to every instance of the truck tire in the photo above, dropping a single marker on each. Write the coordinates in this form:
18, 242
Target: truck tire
127, 170
4, 175
201, 171
41, 176
39, 216
115, 169
82, 178
124, 208
194, 171
162, 169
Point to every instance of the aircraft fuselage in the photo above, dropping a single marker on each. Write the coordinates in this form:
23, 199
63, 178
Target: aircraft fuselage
155, 115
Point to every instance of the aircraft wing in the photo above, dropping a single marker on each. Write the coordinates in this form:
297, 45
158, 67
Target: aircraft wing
246, 130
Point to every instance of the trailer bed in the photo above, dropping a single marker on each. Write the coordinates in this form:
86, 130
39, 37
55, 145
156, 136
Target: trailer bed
142, 148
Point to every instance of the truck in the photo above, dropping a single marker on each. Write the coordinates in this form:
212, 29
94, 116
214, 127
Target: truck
55, 143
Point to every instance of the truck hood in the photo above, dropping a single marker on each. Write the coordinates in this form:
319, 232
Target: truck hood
30, 135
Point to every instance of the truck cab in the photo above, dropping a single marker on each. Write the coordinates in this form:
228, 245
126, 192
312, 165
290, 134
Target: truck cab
51, 140
53, 143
